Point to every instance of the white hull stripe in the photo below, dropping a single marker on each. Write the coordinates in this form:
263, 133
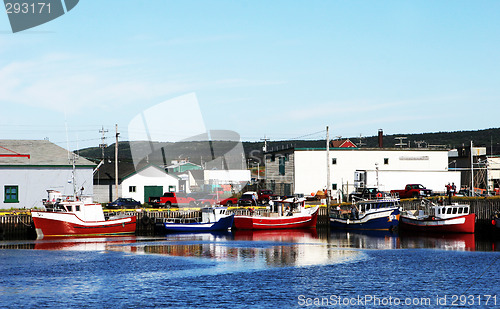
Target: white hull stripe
290, 223
435, 223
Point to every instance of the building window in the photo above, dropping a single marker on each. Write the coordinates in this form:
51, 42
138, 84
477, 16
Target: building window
282, 166
171, 188
334, 161
132, 189
386, 161
334, 186
11, 194
273, 158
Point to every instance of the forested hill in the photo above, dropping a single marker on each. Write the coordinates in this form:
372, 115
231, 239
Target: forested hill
489, 138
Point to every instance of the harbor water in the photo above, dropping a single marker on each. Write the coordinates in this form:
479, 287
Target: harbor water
245, 269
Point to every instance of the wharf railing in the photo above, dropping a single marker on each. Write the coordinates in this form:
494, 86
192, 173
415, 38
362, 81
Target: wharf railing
19, 224
16, 225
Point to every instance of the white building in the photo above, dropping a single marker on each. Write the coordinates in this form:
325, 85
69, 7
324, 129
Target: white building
304, 170
28, 168
148, 181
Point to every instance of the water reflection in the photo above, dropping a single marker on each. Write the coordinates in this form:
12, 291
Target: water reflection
365, 239
275, 247
288, 235
457, 242
82, 244
256, 249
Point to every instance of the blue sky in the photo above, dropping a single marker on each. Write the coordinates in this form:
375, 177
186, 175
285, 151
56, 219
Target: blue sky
281, 69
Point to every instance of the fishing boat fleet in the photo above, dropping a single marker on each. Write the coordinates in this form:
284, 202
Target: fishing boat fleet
72, 216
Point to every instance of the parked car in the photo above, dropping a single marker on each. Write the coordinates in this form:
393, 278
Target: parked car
123, 202
248, 199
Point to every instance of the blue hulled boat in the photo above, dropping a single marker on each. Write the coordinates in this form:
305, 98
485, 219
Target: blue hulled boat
376, 214
212, 219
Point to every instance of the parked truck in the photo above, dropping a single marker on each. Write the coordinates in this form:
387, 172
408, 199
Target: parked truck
265, 195
413, 191
214, 199
172, 199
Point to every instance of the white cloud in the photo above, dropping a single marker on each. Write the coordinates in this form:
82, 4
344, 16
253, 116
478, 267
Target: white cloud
56, 81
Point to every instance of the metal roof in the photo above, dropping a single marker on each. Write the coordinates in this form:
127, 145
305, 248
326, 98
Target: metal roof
37, 153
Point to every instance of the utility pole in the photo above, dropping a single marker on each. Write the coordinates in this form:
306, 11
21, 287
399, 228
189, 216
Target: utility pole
328, 185
472, 170
116, 161
264, 150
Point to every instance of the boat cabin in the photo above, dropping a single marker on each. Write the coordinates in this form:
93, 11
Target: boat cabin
213, 214
288, 205
83, 209
431, 210
363, 208
450, 211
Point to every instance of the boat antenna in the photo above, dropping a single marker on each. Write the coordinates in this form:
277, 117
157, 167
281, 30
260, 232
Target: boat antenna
71, 156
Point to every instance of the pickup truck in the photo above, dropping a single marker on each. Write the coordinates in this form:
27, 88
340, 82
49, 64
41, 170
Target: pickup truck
265, 195
365, 193
413, 191
170, 199
211, 199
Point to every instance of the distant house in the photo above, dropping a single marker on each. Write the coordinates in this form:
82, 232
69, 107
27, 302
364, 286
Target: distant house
28, 168
149, 181
181, 167
342, 143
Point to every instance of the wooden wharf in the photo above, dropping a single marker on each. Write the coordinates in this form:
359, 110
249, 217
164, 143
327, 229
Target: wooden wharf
19, 225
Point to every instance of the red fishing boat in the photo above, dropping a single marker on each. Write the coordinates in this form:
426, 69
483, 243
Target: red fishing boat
75, 217
495, 220
292, 214
454, 218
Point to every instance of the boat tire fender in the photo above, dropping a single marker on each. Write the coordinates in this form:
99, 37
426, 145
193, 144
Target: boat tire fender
145, 220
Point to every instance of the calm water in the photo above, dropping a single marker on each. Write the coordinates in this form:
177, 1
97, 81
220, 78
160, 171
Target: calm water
286, 269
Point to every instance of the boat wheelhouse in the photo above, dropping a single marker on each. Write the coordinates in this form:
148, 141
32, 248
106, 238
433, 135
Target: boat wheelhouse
212, 219
375, 214
431, 217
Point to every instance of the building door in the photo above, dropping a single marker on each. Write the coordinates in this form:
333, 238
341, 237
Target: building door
288, 189
152, 191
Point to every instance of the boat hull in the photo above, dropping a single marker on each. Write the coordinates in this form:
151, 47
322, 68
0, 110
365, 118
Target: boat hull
53, 224
273, 223
382, 220
462, 224
223, 224
497, 222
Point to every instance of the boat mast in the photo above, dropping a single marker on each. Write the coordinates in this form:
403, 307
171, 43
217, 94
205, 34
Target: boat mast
73, 176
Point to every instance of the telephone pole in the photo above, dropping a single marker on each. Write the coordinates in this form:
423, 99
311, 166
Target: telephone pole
116, 161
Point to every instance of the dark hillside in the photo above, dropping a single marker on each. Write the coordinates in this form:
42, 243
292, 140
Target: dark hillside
198, 151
